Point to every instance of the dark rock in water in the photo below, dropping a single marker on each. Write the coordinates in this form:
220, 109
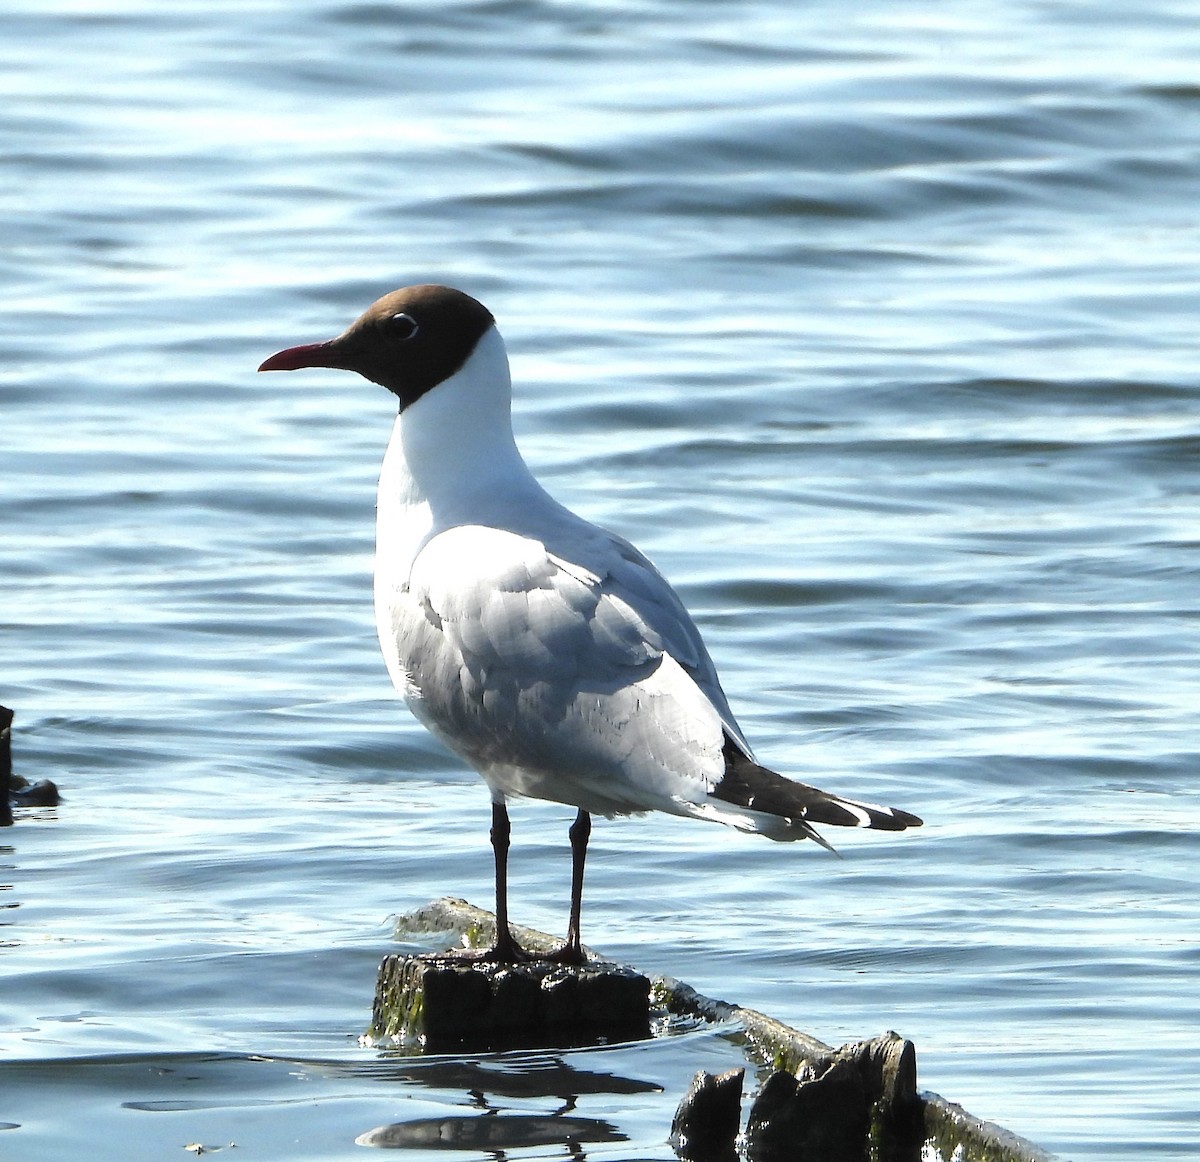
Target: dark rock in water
442, 1001
706, 1124
816, 1119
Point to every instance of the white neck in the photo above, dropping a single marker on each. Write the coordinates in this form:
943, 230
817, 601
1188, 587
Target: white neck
452, 459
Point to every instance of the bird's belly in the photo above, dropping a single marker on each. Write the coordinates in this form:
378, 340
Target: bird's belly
585, 756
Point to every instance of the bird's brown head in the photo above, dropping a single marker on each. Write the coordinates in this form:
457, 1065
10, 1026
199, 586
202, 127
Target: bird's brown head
408, 341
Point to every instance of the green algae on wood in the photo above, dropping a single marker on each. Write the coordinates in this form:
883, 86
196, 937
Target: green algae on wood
441, 1002
930, 1128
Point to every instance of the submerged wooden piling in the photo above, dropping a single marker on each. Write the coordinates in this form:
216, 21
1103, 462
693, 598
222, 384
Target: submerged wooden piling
14, 789
814, 1101
6, 717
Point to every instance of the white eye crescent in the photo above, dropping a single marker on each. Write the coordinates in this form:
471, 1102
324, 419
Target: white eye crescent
403, 326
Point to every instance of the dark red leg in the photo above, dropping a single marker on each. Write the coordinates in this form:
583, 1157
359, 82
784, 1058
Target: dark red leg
572, 951
505, 950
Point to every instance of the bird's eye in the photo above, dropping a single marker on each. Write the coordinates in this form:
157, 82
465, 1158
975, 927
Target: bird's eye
403, 326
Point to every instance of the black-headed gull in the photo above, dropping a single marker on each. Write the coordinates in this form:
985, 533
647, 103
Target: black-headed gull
548, 653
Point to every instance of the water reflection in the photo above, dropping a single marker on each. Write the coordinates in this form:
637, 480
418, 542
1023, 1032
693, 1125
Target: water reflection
494, 1133
7, 904
490, 1085
506, 1077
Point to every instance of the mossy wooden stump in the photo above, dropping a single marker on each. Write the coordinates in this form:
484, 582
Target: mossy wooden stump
442, 1001
866, 1092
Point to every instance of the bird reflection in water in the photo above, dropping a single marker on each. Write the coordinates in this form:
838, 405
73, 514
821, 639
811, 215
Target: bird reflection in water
496, 1131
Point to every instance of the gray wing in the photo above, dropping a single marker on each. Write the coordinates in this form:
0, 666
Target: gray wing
651, 595
567, 670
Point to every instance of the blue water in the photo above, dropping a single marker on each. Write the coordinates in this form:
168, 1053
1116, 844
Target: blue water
875, 327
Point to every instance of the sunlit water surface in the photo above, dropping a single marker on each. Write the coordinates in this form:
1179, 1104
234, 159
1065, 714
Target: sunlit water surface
875, 328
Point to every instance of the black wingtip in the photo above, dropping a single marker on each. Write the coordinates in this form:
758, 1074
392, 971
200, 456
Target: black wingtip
757, 788
891, 818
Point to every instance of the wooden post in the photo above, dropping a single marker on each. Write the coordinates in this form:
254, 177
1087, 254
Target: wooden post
6, 717
444, 1002
441, 1001
874, 1082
